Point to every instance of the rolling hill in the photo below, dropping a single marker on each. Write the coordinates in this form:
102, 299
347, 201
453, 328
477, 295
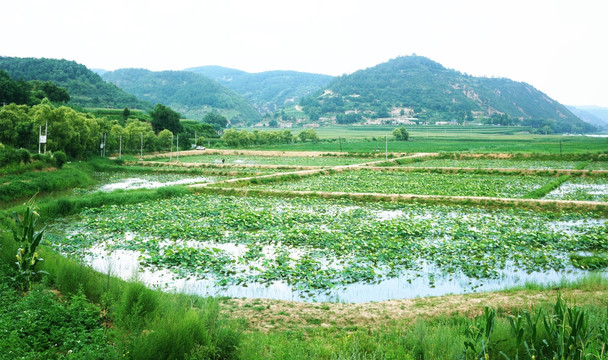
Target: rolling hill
270, 90
86, 88
425, 90
193, 95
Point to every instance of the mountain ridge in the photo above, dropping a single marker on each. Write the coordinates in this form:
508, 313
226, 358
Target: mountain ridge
427, 90
193, 95
268, 91
86, 88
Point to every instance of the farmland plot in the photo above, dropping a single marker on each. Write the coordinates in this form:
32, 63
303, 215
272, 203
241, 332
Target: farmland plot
394, 182
328, 250
497, 164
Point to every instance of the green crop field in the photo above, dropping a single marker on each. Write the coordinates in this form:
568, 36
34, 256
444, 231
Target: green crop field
475, 139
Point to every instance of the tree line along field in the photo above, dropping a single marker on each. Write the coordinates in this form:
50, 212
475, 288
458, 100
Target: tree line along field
442, 138
276, 229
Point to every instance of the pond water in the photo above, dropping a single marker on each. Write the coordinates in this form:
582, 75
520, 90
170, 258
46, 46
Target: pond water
125, 264
126, 181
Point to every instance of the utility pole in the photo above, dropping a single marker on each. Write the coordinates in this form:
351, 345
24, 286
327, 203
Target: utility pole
46, 133
177, 146
340, 140
120, 147
385, 147
141, 149
102, 146
171, 152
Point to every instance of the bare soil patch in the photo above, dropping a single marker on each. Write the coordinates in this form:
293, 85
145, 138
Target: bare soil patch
276, 315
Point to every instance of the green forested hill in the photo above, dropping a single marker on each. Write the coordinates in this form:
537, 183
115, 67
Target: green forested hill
86, 88
435, 93
192, 95
267, 91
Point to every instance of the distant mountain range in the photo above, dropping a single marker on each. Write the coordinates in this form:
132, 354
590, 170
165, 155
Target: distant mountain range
86, 88
192, 95
594, 115
270, 90
410, 87
425, 90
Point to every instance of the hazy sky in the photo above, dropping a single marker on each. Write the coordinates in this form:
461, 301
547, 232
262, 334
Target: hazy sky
560, 47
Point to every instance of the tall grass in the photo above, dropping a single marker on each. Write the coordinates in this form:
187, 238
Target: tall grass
14, 187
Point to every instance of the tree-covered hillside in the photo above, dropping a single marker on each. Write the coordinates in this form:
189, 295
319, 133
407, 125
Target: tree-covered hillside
425, 90
86, 88
192, 95
270, 90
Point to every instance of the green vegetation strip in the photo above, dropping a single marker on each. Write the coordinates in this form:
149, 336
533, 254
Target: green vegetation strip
539, 193
27, 184
497, 171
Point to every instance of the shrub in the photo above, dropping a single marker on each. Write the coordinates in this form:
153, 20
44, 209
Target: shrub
60, 158
38, 326
24, 156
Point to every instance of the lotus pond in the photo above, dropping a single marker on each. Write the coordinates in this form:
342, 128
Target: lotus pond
395, 182
581, 188
318, 250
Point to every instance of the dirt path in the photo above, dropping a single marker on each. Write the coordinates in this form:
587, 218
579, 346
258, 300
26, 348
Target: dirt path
224, 166
493, 170
267, 315
255, 153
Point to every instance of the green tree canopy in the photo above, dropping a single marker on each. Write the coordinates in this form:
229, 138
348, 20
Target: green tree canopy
163, 117
401, 133
214, 118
